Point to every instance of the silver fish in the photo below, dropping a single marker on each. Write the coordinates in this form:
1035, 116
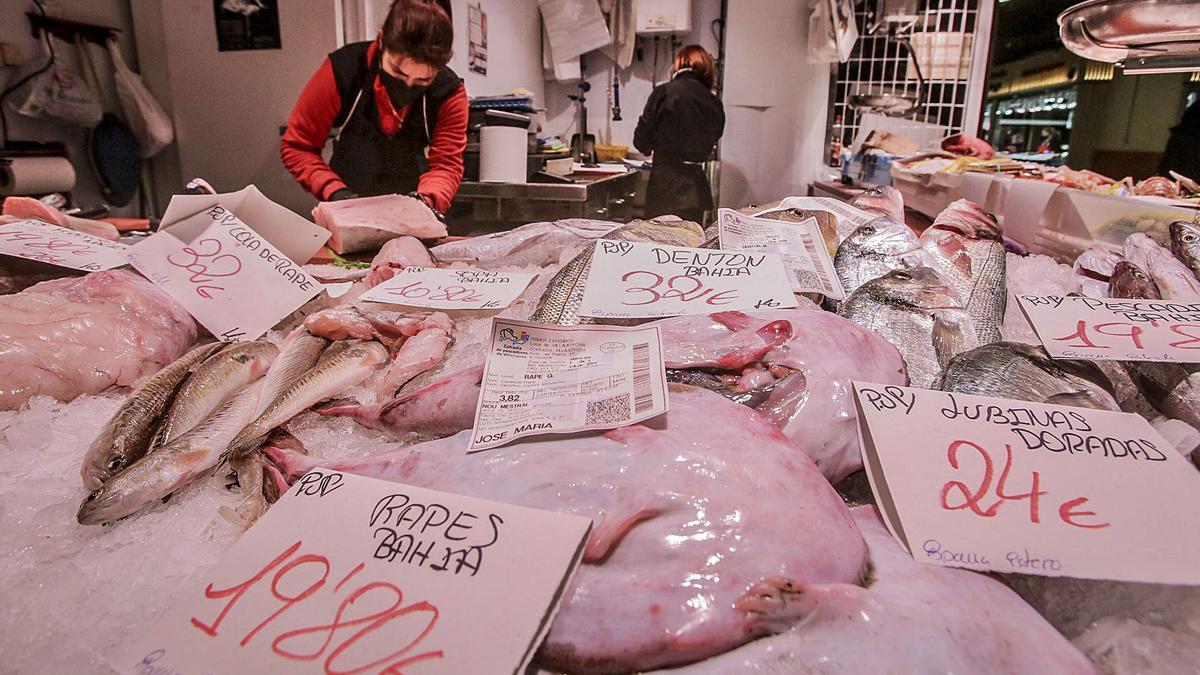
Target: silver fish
211, 382
1185, 244
1027, 373
964, 246
298, 353
537, 244
560, 303
168, 468
327, 379
884, 200
875, 249
126, 437
920, 314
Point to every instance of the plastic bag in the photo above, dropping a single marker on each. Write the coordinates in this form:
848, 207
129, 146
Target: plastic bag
63, 95
145, 117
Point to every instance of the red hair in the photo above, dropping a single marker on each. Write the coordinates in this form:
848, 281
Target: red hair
700, 62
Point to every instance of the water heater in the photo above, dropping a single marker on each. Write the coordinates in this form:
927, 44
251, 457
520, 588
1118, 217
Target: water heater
661, 17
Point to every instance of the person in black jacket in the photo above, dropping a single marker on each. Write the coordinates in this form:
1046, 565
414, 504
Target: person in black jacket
681, 124
1182, 154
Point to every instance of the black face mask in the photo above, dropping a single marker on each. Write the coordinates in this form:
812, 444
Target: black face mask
398, 91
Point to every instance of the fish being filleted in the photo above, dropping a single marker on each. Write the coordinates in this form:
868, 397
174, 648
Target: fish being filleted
126, 437
1027, 373
167, 468
1175, 281
211, 383
875, 249
1130, 281
1185, 244
964, 246
920, 314
348, 367
560, 304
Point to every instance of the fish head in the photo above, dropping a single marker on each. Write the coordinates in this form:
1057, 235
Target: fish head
102, 466
1130, 281
123, 495
881, 237
919, 287
967, 219
1185, 242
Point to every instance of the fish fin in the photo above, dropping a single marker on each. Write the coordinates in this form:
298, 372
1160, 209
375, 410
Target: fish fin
1076, 399
274, 484
776, 603
952, 336
340, 407
608, 534
1084, 370
289, 463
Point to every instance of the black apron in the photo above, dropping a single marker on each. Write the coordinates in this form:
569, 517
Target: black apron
678, 189
367, 160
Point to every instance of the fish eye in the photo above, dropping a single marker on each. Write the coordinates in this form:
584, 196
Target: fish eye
116, 464
1189, 237
868, 229
92, 497
902, 275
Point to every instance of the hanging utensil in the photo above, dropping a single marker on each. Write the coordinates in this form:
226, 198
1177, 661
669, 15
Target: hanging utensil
893, 101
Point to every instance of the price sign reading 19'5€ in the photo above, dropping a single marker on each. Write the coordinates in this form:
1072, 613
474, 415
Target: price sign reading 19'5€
347, 574
1078, 327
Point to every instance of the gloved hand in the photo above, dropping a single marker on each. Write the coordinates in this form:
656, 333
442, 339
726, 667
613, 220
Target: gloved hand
428, 202
962, 144
343, 193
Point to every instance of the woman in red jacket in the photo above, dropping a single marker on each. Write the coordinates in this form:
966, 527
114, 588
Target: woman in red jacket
397, 113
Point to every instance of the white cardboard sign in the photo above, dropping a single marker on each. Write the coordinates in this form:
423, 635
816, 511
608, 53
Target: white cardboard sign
1014, 486
1077, 327
643, 280
542, 379
233, 281
43, 242
448, 288
353, 574
800, 244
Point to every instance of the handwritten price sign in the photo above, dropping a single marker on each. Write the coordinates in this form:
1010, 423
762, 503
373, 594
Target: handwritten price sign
640, 280
1014, 486
235, 282
347, 574
43, 242
451, 288
1125, 330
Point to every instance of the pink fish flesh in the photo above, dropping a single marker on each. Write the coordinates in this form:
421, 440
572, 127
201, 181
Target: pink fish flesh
343, 323
80, 335
417, 354
443, 408
704, 524
395, 255
366, 223
912, 618
28, 207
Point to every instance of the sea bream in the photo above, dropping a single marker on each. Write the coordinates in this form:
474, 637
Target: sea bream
963, 245
701, 532
884, 200
1174, 280
1028, 373
126, 437
875, 249
918, 312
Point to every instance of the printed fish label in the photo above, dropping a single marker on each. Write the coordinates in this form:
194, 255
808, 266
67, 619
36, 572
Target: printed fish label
43, 242
1077, 327
632, 280
800, 244
451, 288
353, 574
1015, 486
232, 280
542, 379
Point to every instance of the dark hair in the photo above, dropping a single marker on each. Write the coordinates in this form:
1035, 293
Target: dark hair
420, 30
700, 61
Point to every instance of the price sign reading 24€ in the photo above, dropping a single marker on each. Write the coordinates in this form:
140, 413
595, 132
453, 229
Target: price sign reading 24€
1015, 486
643, 280
347, 574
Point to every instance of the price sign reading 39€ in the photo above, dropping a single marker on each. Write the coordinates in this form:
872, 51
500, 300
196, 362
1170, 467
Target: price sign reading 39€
1014, 486
231, 279
1078, 327
43, 242
347, 574
643, 280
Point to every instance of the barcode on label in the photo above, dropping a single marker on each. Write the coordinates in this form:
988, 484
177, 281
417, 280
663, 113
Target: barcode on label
811, 248
643, 398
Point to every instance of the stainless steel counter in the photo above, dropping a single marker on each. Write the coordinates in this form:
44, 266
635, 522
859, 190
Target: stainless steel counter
608, 197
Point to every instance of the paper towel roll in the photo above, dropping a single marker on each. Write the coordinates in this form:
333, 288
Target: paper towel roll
36, 176
502, 154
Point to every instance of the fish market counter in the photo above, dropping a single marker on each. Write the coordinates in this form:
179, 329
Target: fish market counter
600, 197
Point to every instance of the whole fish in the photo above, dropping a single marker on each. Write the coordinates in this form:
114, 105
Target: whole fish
211, 382
1174, 279
298, 353
1094, 269
827, 223
1027, 373
126, 437
1185, 244
169, 467
964, 246
920, 314
1172, 388
1130, 281
873, 250
560, 303
327, 379
884, 200
443, 408
538, 244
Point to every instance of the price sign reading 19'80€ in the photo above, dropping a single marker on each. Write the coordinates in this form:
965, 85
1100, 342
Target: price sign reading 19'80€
43, 242
347, 574
1077, 327
450, 288
235, 282
1014, 486
643, 280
